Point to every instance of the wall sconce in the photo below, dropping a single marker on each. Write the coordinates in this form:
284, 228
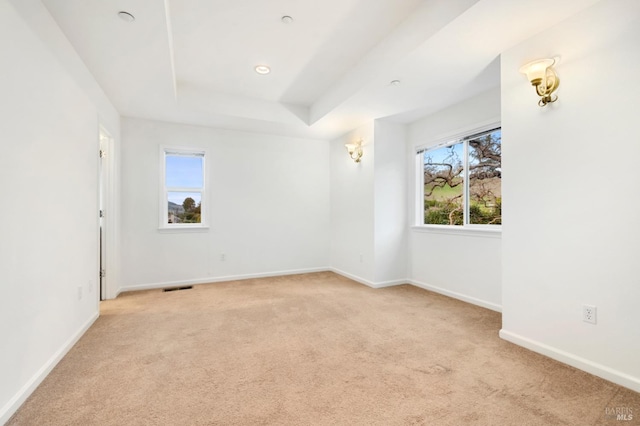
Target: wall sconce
542, 75
355, 150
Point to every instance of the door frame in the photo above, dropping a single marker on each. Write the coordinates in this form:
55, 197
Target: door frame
106, 204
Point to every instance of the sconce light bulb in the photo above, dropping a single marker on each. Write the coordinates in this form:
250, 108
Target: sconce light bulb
354, 150
544, 78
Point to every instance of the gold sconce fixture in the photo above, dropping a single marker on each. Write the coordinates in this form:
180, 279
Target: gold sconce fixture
355, 150
544, 78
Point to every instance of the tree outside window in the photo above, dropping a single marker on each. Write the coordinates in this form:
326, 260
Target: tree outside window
462, 181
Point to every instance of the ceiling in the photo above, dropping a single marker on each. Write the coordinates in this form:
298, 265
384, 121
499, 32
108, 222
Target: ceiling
192, 61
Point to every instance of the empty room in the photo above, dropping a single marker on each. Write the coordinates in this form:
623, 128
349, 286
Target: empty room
291, 212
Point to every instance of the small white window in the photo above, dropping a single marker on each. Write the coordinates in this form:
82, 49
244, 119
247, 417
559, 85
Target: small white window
183, 195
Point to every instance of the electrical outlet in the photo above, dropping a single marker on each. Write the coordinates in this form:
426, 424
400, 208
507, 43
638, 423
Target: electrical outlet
361, 258
79, 292
222, 257
589, 313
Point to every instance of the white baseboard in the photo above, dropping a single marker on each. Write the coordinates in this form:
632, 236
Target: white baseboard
367, 282
152, 286
118, 291
594, 368
391, 283
19, 398
459, 296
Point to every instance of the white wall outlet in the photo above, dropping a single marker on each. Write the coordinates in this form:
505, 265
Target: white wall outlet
589, 314
79, 292
361, 258
222, 257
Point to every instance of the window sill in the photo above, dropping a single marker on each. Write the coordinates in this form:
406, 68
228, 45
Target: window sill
182, 229
469, 231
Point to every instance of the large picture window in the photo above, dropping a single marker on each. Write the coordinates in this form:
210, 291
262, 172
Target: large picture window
183, 194
461, 181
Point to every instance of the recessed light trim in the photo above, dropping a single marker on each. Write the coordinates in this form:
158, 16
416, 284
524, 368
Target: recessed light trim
126, 16
286, 19
262, 69
395, 82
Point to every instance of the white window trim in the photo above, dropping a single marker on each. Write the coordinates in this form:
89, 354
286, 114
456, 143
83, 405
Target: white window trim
489, 231
449, 138
164, 226
465, 229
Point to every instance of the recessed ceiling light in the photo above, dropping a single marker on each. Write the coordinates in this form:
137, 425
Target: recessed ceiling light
262, 69
287, 19
395, 83
126, 16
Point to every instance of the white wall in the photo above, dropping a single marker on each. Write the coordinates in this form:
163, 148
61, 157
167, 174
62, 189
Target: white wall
571, 233
44, 27
352, 207
49, 221
368, 206
390, 203
464, 265
268, 198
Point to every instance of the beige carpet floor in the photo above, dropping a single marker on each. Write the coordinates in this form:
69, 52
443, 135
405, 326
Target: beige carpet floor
313, 349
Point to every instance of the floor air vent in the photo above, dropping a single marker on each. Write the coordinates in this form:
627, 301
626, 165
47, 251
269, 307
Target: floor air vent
187, 287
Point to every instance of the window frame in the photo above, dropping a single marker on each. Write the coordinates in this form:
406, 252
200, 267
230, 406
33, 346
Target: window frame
164, 224
458, 137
